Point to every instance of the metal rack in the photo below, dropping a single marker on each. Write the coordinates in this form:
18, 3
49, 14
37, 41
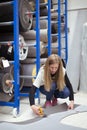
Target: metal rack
15, 104
37, 46
62, 9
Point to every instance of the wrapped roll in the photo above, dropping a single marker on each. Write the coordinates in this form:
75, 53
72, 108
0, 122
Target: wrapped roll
7, 88
32, 49
31, 35
7, 50
6, 14
28, 67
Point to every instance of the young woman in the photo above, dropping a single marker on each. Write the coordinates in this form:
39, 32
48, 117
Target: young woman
53, 82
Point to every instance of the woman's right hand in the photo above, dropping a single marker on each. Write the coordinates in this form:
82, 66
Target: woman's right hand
36, 109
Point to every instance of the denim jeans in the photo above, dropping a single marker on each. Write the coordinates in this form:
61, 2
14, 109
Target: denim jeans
55, 92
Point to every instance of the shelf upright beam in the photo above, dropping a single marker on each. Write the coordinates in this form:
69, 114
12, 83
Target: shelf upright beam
16, 55
59, 28
49, 28
37, 41
66, 32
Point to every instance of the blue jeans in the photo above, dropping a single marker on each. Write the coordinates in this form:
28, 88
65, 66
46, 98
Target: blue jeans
55, 92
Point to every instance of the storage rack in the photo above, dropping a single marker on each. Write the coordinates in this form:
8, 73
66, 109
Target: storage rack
62, 9
37, 46
15, 104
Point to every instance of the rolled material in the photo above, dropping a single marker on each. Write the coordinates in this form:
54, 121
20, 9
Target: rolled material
54, 50
23, 48
43, 24
33, 61
25, 21
28, 66
32, 48
7, 50
1, 64
6, 88
31, 35
20, 73
8, 74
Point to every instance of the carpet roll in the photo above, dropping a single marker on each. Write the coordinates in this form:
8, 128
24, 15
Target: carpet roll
7, 50
32, 49
31, 35
28, 66
21, 70
6, 14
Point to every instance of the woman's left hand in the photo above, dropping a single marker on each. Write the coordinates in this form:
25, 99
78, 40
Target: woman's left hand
71, 105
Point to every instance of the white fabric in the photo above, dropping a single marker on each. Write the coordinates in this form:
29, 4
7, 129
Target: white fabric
83, 74
74, 58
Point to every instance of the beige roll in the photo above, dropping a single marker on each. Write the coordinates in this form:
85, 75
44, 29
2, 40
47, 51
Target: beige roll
28, 67
33, 61
54, 49
43, 24
32, 48
20, 73
31, 35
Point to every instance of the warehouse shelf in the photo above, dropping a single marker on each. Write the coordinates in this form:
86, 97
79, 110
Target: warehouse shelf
16, 102
15, 23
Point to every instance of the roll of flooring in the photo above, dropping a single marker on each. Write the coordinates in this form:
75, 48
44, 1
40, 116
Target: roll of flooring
21, 70
32, 48
1, 64
54, 50
25, 20
31, 35
28, 67
43, 24
7, 88
7, 50
33, 61
23, 48
27, 72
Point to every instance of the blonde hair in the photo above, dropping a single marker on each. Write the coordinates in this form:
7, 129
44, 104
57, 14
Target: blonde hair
59, 76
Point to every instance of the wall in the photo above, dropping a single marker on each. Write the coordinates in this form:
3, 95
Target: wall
77, 16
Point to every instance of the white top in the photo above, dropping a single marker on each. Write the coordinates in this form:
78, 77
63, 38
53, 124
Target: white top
39, 81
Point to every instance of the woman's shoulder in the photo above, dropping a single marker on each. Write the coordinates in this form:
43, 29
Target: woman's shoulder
42, 68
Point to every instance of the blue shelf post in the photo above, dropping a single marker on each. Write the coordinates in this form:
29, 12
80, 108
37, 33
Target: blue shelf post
16, 55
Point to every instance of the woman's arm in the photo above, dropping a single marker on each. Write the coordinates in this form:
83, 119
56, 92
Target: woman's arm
31, 95
71, 97
35, 108
68, 84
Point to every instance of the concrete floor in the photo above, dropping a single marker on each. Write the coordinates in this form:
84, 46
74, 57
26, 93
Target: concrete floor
79, 119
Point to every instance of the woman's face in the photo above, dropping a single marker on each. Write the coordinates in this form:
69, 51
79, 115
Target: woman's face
53, 68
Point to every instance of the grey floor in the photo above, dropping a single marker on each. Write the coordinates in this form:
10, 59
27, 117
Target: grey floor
78, 119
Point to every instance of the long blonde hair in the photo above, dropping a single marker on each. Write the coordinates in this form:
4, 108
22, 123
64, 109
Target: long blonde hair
59, 76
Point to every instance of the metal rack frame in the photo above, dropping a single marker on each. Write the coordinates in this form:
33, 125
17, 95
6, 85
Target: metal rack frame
16, 103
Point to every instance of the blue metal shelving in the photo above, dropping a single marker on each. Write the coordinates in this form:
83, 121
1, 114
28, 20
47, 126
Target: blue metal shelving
59, 3
16, 103
36, 45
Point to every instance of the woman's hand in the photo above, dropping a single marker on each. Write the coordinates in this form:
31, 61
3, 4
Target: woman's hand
36, 109
71, 105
